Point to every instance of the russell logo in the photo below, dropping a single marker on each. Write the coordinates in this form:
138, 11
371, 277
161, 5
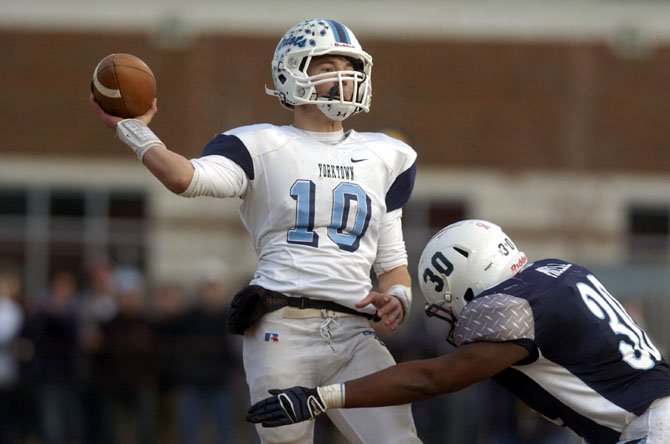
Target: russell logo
271, 337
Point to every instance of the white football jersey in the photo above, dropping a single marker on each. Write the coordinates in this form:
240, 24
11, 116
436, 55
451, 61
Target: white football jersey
320, 215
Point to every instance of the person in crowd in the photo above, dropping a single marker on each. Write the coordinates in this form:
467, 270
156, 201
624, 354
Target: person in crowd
97, 305
11, 322
129, 359
208, 359
169, 304
52, 371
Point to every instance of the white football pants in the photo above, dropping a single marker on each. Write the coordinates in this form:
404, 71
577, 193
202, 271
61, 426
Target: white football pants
654, 425
310, 348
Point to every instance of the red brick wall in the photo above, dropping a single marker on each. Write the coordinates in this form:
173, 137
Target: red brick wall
553, 106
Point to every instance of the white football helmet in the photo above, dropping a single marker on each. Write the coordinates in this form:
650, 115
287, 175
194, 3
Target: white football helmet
312, 38
461, 261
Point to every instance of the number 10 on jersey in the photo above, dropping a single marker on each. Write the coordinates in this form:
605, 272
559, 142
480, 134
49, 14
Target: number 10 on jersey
344, 233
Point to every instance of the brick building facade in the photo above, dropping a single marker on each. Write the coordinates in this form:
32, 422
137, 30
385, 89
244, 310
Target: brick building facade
462, 104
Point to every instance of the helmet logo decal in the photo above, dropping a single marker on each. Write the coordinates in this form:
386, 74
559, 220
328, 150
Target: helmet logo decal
295, 40
518, 265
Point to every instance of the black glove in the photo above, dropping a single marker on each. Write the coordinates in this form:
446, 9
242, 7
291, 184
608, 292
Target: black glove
288, 406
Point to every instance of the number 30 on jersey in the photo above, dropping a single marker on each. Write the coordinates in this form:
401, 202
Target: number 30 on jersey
635, 347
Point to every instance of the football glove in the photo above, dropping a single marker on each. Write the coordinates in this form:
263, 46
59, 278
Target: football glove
287, 406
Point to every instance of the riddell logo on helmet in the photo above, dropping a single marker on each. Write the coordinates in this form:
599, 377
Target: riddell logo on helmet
345, 45
519, 264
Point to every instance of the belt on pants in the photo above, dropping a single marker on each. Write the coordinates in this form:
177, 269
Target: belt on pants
275, 300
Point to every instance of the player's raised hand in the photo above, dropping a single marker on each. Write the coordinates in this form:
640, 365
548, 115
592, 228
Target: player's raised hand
287, 406
111, 121
389, 308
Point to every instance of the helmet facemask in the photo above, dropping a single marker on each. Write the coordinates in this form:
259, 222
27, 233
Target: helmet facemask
293, 56
445, 311
336, 106
444, 302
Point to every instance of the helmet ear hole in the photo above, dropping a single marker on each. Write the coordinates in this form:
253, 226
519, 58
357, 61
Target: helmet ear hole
464, 253
469, 295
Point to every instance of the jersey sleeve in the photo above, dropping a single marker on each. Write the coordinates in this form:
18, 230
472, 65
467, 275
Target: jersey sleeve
404, 169
497, 318
391, 250
401, 189
400, 160
223, 170
231, 147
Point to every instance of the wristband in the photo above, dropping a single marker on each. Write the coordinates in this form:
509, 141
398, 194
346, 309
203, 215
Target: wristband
332, 395
404, 294
138, 136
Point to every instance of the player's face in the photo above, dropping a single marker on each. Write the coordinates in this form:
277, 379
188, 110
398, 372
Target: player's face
331, 64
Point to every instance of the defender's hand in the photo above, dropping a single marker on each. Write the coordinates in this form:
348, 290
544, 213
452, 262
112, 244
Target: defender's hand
288, 406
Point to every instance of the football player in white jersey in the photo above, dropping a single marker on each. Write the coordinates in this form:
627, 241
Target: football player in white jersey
323, 207
549, 331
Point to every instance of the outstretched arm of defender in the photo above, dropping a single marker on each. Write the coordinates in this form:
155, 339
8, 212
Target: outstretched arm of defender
403, 383
413, 381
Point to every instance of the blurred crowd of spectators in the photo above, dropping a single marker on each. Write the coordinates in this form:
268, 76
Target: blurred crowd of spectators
109, 358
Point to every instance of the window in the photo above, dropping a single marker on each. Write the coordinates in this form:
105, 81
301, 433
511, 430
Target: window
13, 207
44, 230
12, 202
648, 233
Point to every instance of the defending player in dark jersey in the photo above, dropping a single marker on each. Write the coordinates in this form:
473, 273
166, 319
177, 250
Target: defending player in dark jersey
549, 331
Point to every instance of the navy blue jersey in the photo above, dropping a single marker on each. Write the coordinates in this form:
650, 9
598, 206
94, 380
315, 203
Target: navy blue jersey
591, 367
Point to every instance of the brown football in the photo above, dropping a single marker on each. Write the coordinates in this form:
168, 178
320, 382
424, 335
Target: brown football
123, 85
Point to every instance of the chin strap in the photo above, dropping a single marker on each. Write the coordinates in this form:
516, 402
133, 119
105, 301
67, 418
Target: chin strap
337, 111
